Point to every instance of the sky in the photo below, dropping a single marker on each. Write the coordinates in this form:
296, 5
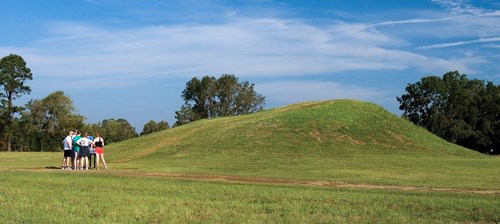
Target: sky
131, 59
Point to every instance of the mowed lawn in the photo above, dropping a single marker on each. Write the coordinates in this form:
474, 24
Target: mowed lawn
34, 191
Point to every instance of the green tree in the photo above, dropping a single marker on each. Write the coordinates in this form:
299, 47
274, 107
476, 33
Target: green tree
45, 122
152, 126
462, 111
185, 115
149, 127
115, 130
13, 75
211, 97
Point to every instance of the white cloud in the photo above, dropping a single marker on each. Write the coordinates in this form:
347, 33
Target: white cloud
463, 7
458, 21
459, 43
257, 47
412, 21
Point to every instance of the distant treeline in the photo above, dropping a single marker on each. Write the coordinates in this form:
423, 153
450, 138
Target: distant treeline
42, 124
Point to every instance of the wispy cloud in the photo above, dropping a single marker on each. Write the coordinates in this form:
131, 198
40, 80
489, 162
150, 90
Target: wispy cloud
464, 7
257, 47
459, 43
412, 21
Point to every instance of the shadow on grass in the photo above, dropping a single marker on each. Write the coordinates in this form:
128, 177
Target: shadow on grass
53, 167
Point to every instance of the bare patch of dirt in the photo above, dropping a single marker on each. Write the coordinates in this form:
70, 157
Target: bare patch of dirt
316, 135
399, 137
288, 182
273, 181
375, 142
347, 138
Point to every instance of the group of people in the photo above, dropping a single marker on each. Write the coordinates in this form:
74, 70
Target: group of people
77, 151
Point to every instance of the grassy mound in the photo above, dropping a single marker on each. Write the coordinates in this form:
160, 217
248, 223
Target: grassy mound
341, 126
341, 140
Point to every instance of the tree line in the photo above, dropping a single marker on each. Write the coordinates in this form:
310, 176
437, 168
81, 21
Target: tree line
41, 124
463, 111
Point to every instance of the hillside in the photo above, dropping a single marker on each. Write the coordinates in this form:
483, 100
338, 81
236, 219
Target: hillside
338, 126
328, 140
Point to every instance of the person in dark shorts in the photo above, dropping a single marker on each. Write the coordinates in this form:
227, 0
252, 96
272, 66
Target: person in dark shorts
84, 151
67, 142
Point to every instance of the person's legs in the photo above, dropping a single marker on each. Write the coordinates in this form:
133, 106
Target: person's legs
75, 161
66, 162
85, 162
80, 162
104, 162
73, 156
67, 158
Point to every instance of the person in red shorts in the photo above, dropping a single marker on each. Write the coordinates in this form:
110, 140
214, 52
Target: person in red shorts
99, 150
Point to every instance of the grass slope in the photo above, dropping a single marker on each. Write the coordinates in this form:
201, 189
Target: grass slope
341, 141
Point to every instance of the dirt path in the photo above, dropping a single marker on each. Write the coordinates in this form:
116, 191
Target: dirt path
289, 182
149, 150
272, 181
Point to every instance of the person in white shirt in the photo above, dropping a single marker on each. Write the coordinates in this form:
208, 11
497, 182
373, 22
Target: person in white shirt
84, 151
67, 142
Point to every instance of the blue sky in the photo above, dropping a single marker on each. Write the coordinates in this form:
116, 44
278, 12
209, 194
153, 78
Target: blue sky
132, 59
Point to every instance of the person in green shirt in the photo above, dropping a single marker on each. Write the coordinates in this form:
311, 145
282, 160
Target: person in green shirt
76, 150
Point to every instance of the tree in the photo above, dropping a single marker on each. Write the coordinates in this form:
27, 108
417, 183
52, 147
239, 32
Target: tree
116, 130
185, 115
152, 126
211, 97
462, 111
13, 75
202, 94
48, 120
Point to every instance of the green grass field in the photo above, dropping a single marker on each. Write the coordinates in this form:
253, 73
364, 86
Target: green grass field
332, 161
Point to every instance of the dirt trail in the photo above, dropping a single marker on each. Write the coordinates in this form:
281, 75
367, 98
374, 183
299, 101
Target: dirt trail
167, 141
272, 181
288, 182
149, 150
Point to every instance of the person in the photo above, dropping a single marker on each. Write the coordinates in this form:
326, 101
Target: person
91, 146
92, 150
76, 150
67, 142
84, 151
99, 150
